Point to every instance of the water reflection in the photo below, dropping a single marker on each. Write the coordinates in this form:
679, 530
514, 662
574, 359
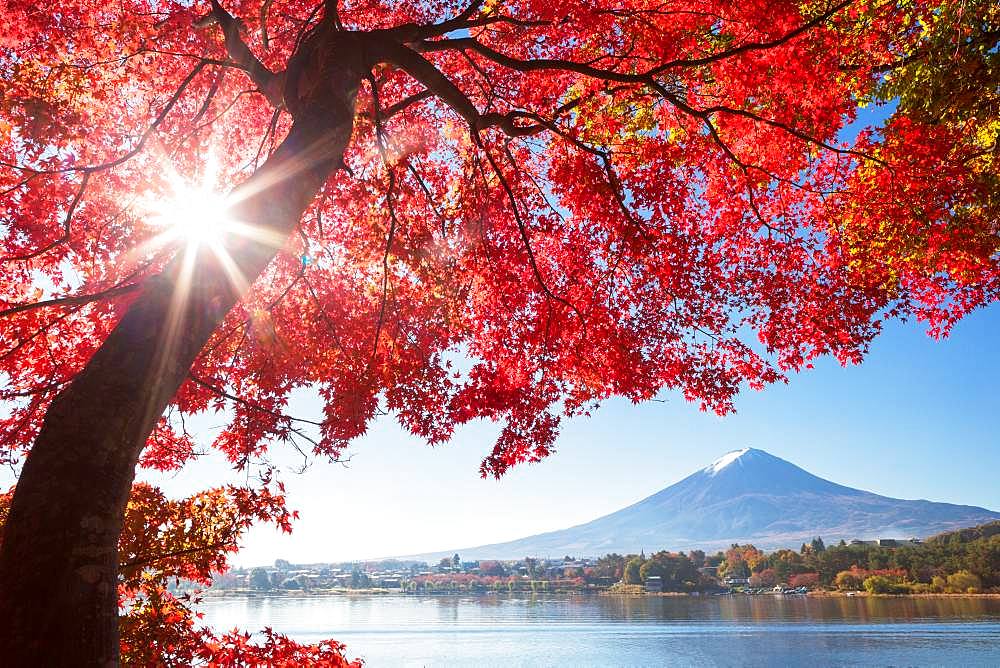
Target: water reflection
547, 630
792, 608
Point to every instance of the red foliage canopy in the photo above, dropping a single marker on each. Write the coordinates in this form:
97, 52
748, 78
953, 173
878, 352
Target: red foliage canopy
647, 186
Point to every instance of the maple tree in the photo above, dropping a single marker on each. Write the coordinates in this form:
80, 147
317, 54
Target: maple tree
582, 200
163, 541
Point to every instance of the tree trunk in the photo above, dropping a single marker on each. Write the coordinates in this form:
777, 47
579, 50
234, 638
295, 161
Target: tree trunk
59, 556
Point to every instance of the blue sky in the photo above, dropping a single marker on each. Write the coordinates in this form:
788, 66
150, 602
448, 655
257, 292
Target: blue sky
918, 419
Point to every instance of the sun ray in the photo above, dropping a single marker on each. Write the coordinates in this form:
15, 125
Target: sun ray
198, 221
236, 278
175, 313
268, 176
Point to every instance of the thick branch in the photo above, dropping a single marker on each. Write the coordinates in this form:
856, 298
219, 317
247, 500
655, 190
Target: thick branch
406, 103
533, 65
411, 31
269, 83
539, 64
426, 73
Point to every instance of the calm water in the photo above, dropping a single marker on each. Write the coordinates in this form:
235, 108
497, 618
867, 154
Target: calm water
582, 631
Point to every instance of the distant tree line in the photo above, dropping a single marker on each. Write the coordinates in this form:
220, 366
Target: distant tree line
965, 561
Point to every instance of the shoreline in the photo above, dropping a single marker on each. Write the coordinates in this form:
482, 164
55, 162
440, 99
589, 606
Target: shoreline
812, 594
295, 593
864, 594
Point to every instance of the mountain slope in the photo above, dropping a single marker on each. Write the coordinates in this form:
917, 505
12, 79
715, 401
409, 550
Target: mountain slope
745, 496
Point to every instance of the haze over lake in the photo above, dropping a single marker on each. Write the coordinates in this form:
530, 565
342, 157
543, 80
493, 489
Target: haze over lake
587, 630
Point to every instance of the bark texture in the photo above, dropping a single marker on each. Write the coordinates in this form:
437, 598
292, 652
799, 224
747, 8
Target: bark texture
59, 557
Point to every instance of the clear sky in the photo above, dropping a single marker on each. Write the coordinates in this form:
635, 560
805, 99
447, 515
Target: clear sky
918, 419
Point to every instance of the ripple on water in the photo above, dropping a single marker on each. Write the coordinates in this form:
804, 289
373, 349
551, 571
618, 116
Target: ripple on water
582, 631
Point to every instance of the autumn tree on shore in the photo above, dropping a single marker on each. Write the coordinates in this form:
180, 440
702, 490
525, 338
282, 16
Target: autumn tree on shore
583, 199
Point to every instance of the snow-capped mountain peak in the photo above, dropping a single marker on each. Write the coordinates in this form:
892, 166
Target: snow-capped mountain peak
725, 460
744, 496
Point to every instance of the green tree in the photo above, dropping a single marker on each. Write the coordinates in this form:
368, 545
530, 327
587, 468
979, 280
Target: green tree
610, 566
878, 584
948, 74
881, 584
964, 582
676, 570
633, 570
785, 563
359, 580
651, 568
259, 579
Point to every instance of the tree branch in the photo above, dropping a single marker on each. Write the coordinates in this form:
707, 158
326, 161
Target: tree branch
750, 46
75, 300
147, 133
381, 142
427, 74
524, 235
406, 102
65, 227
248, 404
269, 83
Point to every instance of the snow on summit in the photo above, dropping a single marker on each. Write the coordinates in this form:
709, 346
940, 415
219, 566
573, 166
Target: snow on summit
725, 460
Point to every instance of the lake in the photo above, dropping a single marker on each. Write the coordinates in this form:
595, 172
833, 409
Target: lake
590, 630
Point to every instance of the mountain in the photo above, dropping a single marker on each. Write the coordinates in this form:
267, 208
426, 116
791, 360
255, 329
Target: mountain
745, 496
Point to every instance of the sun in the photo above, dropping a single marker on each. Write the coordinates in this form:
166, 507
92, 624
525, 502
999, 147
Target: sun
193, 214
195, 217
